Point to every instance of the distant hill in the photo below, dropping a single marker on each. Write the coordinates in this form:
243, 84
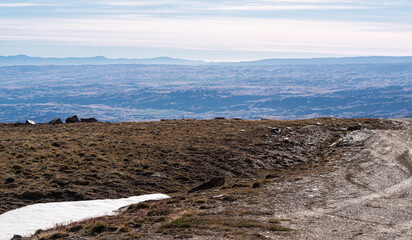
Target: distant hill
323, 61
20, 60
99, 60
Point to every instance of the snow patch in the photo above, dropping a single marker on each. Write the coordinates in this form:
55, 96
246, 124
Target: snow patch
26, 220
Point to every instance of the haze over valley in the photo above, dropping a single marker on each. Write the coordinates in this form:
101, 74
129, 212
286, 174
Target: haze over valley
148, 92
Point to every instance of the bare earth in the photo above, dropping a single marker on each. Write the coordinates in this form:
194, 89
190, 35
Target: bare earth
367, 196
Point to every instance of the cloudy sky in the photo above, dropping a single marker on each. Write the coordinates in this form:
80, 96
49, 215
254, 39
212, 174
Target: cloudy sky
207, 30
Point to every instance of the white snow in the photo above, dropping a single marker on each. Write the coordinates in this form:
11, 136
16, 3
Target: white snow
26, 220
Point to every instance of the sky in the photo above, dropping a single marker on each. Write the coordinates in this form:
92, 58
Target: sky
224, 30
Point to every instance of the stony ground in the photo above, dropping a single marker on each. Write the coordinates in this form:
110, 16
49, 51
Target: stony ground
309, 179
366, 196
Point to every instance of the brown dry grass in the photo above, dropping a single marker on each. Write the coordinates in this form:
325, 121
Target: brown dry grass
43, 163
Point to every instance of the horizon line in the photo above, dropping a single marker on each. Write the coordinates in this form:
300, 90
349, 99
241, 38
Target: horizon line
212, 61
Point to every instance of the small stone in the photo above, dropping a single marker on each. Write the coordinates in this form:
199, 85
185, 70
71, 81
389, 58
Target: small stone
274, 129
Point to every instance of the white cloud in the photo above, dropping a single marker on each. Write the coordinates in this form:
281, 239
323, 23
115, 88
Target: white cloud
28, 5
17, 5
206, 25
226, 34
134, 3
285, 7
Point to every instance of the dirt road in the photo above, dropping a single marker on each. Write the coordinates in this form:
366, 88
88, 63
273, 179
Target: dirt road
367, 196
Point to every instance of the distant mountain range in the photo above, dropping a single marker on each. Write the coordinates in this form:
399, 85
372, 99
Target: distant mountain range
99, 60
20, 60
323, 61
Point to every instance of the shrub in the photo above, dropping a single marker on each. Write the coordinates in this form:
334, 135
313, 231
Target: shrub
96, 228
181, 222
58, 235
141, 205
279, 228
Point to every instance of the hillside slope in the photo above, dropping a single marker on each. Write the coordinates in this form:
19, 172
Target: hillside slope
265, 164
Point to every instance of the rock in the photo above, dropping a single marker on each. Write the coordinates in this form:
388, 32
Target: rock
73, 119
212, 183
159, 175
274, 129
16, 236
219, 118
56, 121
30, 122
88, 120
354, 128
270, 176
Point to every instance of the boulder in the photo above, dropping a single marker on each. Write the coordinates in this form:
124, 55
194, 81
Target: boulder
72, 119
88, 120
212, 183
30, 122
56, 121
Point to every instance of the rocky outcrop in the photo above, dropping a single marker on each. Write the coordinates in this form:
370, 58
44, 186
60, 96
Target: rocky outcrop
212, 183
88, 120
73, 119
56, 121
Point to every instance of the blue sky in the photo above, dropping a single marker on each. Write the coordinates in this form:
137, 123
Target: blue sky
212, 30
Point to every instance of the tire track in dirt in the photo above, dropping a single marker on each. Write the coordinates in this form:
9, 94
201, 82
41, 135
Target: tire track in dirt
376, 187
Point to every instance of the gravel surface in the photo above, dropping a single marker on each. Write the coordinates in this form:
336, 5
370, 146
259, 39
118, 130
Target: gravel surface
366, 196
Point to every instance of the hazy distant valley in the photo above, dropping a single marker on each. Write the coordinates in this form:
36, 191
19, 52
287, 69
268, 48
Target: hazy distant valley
147, 92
